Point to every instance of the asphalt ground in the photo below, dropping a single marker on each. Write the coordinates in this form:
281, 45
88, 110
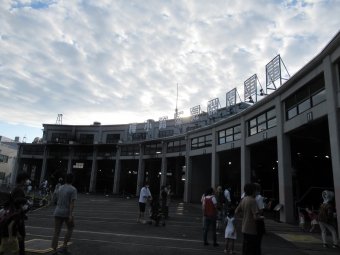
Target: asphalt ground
107, 225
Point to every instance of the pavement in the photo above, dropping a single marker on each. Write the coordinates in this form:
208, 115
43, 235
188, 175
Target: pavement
107, 225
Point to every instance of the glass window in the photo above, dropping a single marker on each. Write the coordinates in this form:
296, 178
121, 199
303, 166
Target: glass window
304, 106
229, 131
261, 118
290, 102
221, 133
222, 140
237, 129
253, 123
302, 94
229, 138
318, 98
200, 142
292, 113
237, 136
317, 85
253, 131
272, 123
271, 113
262, 127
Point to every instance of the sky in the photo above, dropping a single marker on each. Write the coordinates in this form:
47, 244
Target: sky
119, 61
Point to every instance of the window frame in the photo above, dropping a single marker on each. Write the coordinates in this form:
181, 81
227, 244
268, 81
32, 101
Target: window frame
230, 137
262, 123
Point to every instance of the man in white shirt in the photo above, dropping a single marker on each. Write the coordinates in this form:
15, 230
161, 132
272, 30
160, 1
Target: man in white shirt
144, 196
228, 200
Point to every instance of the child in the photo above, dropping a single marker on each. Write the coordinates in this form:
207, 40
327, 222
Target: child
312, 217
9, 231
230, 231
302, 222
5, 209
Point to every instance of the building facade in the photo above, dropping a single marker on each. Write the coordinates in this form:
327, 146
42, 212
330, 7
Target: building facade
289, 142
8, 153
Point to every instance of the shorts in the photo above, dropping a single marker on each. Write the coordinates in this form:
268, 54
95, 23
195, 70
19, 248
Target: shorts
12, 247
314, 222
141, 207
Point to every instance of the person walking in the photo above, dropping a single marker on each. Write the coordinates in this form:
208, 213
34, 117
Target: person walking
67, 194
164, 196
210, 205
312, 217
230, 231
261, 229
19, 192
144, 196
227, 203
248, 210
326, 219
219, 217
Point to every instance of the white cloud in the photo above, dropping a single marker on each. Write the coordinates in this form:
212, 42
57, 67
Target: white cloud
120, 61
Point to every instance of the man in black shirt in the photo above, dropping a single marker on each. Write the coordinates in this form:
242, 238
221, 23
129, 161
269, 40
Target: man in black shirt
19, 192
9, 230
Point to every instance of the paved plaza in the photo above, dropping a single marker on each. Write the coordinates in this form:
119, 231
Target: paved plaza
107, 225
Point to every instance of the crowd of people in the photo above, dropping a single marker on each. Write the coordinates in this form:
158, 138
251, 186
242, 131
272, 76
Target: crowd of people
14, 214
218, 212
217, 207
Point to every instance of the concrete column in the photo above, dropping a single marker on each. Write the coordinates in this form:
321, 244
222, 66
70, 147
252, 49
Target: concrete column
44, 164
284, 166
178, 172
140, 177
215, 162
93, 180
70, 159
188, 173
333, 126
245, 155
17, 165
118, 165
164, 165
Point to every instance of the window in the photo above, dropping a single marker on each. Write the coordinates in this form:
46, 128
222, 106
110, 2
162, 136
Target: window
33, 150
86, 139
83, 151
3, 159
305, 98
107, 151
229, 135
59, 138
201, 142
112, 138
262, 122
59, 151
130, 150
138, 136
151, 149
176, 146
165, 133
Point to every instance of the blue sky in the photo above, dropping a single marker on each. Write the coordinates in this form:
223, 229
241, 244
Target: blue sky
119, 61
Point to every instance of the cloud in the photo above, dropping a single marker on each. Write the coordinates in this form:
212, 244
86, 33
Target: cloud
120, 61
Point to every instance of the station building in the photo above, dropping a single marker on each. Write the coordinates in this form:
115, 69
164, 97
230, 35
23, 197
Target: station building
289, 142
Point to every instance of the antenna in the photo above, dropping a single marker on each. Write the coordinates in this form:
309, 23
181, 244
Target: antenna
176, 110
59, 120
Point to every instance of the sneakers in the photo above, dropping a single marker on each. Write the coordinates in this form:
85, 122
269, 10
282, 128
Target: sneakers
325, 245
336, 246
143, 222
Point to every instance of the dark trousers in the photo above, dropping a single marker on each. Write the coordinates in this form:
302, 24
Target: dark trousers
249, 244
261, 230
209, 220
22, 232
165, 209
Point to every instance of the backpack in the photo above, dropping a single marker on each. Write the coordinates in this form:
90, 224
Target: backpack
222, 198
